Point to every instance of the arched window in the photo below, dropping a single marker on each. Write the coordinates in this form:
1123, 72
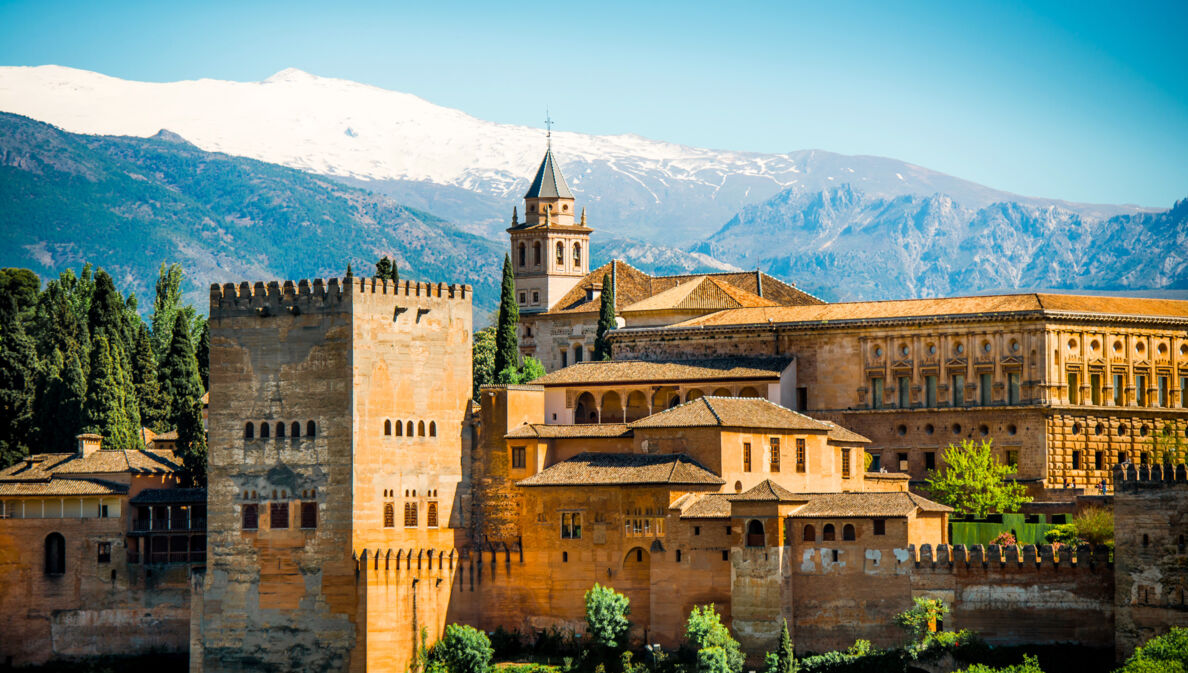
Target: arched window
432, 428
421, 429
310, 428
536, 253
280, 430
828, 534
249, 431
577, 255
810, 533
399, 429
55, 554
755, 536
389, 515
295, 429
264, 431
848, 532
560, 253
408, 429
387, 428
523, 254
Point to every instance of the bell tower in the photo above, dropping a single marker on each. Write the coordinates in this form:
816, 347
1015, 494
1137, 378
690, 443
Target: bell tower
550, 248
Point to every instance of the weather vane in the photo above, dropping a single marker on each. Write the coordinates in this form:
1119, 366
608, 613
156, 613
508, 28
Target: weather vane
549, 128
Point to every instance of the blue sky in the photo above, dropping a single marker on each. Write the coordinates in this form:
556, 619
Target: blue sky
1084, 101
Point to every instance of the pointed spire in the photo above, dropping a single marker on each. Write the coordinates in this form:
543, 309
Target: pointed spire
515, 216
583, 216
549, 183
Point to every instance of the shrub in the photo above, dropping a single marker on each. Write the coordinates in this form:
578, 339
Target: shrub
1065, 533
606, 616
705, 630
1095, 525
921, 619
712, 660
1004, 539
463, 649
1030, 665
1162, 654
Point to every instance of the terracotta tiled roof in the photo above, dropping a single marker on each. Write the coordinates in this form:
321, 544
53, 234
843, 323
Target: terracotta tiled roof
631, 286
542, 431
705, 506
36, 467
639, 371
702, 293
150, 496
844, 435
873, 504
754, 282
611, 469
766, 491
733, 412
62, 487
47, 465
948, 306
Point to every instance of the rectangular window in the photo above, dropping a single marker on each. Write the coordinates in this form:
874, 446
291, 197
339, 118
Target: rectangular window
1076, 460
880, 526
103, 512
876, 393
523, 297
278, 515
104, 552
1013, 395
930, 460
1162, 385
1074, 388
410, 515
251, 517
801, 460
535, 297
930, 391
1095, 389
1140, 389
845, 463
519, 457
431, 515
985, 389
775, 454
876, 462
571, 525
1121, 457
1012, 459
802, 398
746, 456
903, 388
309, 515
903, 462
1098, 460
564, 358
958, 390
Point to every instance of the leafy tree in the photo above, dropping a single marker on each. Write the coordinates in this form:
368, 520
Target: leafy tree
151, 401
23, 286
179, 373
60, 318
974, 481
386, 269
202, 353
166, 306
530, 370
107, 315
1167, 653
713, 659
61, 389
606, 616
1092, 525
463, 649
105, 410
191, 445
18, 361
482, 356
1030, 665
705, 629
606, 320
507, 345
920, 620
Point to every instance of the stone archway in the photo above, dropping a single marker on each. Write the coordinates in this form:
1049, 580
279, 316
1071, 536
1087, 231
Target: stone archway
612, 408
637, 406
635, 582
585, 410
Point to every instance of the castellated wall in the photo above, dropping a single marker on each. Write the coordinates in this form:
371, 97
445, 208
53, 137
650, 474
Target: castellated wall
1150, 525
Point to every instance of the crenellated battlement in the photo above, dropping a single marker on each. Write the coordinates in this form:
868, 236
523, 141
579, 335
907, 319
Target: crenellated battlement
277, 297
1131, 477
994, 557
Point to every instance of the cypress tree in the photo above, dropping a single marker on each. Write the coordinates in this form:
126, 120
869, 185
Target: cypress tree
202, 353
105, 410
606, 320
18, 359
150, 400
507, 345
61, 388
785, 656
191, 445
106, 313
179, 374
165, 307
383, 268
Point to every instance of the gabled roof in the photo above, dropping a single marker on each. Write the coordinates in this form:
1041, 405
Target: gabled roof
549, 183
733, 412
844, 435
62, 487
704, 506
620, 469
766, 491
702, 293
663, 371
46, 466
868, 504
543, 431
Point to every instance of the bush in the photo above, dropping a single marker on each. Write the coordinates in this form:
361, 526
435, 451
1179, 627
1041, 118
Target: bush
712, 660
463, 649
1030, 665
1065, 533
606, 616
1095, 525
921, 619
705, 630
1004, 539
1163, 654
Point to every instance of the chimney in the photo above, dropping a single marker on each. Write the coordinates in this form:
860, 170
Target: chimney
89, 443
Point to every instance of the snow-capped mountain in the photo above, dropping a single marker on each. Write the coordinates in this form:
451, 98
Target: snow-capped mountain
409, 148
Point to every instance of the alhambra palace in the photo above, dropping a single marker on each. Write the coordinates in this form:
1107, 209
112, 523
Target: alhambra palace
357, 494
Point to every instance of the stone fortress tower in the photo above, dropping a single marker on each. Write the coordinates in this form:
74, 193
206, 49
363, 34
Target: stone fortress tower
337, 424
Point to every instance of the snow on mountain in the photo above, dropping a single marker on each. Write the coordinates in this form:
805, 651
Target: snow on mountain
404, 146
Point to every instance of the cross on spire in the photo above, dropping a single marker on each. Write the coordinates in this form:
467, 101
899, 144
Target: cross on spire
549, 128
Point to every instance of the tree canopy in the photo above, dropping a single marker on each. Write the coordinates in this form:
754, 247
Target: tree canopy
974, 482
606, 616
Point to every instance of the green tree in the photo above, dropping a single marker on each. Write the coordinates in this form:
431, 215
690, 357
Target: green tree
166, 306
202, 354
482, 357
606, 617
60, 317
23, 286
921, 619
180, 383
18, 362
191, 445
1030, 665
107, 313
606, 320
705, 629
105, 410
1167, 653
530, 370
974, 481
386, 269
61, 388
463, 649
507, 344
151, 402
713, 659
785, 653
